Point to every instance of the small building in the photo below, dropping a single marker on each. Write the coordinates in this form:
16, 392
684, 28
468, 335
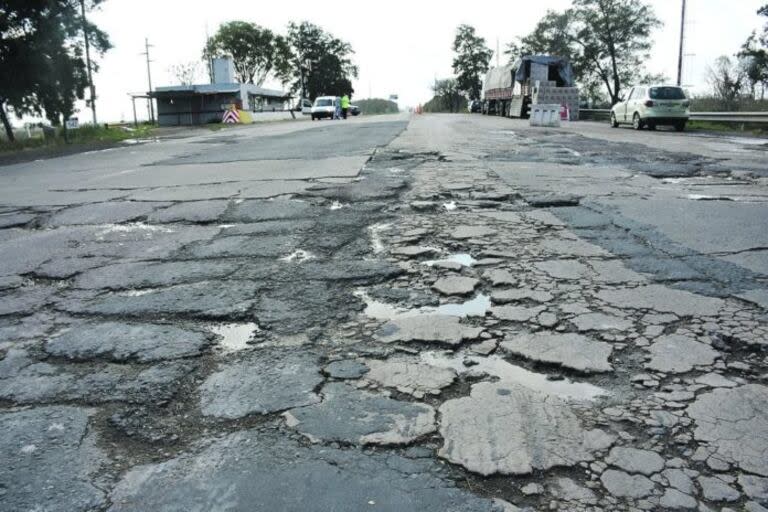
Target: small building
206, 103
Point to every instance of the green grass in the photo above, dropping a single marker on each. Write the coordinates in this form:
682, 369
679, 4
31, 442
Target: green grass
713, 126
87, 134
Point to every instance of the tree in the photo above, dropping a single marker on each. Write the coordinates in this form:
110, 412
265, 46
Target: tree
614, 36
471, 60
186, 73
606, 41
448, 97
315, 62
42, 42
727, 80
754, 58
551, 36
253, 49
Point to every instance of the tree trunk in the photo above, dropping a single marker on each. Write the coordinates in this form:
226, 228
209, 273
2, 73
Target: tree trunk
6, 123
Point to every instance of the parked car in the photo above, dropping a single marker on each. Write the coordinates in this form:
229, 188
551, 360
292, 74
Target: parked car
354, 110
651, 106
304, 106
325, 106
475, 106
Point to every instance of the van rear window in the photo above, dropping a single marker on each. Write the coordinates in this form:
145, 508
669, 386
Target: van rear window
667, 93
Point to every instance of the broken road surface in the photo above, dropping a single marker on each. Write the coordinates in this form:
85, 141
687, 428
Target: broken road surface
442, 313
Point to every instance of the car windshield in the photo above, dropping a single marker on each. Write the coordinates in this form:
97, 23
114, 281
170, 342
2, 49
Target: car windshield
667, 93
324, 103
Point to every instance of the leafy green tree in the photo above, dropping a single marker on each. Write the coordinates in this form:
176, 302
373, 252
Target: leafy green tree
551, 36
471, 60
316, 63
614, 36
448, 97
254, 50
607, 41
754, 58
42, 42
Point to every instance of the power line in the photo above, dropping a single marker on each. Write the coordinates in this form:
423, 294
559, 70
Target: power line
88, 60
682, 46
149, 80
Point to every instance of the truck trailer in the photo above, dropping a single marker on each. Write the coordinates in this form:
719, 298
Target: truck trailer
510, 90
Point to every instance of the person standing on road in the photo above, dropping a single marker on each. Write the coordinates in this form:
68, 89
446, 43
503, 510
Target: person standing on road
344, 106
337, 108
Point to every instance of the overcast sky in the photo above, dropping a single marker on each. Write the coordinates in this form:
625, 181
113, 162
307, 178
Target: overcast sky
401, 46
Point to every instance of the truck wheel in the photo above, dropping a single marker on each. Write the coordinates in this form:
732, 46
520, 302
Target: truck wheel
614, 122
637, 123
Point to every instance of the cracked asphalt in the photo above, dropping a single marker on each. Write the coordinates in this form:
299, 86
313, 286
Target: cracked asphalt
433, 313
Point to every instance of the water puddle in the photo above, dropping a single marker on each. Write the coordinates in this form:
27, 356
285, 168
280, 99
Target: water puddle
450, 206
496, 366
131, 227
376, 244
336, 205
379, 310
298, 256
463, 259
737, 199
396, 170
139, 293
478, 306
235, 337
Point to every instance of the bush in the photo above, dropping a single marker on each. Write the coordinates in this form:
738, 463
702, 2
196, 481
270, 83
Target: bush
713, 104
375, 106
441, 104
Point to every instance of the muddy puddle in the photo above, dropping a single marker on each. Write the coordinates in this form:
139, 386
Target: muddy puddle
378, 310
235, 337
495, 366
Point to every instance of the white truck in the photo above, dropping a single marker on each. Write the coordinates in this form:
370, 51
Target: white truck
510, 90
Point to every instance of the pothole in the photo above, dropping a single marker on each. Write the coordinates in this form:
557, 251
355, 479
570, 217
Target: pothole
131, 227
298, 256
739, 199
496, 366
235, 337
337, 205
463, 259
378, 310
376, 244
139, 293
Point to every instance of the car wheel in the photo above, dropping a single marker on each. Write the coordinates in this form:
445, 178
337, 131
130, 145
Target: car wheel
637, 123
614, 122
680, 127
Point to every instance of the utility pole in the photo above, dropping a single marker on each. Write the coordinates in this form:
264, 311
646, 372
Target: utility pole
682, 47
149, 79
497, 51
88, 60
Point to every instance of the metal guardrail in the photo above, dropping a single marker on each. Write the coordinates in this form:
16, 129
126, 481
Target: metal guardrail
720, 117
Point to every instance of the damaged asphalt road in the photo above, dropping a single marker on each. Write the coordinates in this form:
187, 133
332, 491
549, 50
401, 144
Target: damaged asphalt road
442, 313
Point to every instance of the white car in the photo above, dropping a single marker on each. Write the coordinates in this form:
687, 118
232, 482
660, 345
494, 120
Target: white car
651, 106
325, 106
